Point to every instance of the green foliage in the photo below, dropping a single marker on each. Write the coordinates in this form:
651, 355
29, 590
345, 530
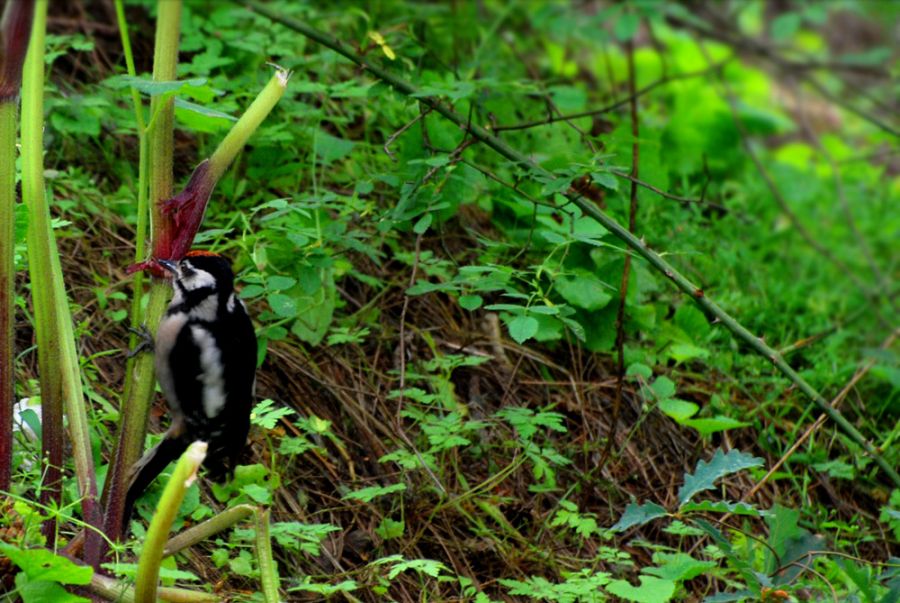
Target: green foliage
352, 219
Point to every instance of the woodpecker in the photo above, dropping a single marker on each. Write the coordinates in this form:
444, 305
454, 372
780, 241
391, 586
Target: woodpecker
205, 356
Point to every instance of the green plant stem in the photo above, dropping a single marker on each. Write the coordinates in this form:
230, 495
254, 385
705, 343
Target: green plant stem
268, 571
157, 180
202, 531
237, 137
184, 475
40, 245
113, 590
654, 259
15, 31
7, 285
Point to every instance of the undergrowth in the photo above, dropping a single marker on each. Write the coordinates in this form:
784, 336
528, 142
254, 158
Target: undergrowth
437, 331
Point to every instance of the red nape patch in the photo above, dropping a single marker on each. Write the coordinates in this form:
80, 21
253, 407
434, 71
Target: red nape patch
195, 253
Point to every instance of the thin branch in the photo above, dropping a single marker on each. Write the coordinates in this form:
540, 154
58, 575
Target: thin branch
626, 269
708, 306
617, 104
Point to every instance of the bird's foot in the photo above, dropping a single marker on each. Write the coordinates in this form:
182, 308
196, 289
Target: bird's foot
145, 340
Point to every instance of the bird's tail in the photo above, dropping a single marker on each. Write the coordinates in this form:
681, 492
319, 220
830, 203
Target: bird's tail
149, 467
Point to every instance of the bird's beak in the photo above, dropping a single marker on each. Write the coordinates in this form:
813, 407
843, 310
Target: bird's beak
169, 265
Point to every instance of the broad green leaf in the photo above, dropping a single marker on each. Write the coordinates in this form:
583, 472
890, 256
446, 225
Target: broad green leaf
638, 515
330, 148
584, 290
663, 388
284, 306
626, 26
470, 302
44, 591
523, 328
606, 180
678, 566
682, 352
706, 473
651, 590
41, 564
679, 410
710, 425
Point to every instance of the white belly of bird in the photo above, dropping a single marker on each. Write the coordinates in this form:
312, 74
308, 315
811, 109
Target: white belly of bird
211, 374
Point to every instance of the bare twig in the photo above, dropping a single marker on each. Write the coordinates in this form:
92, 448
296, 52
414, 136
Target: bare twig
617, 104
626, 269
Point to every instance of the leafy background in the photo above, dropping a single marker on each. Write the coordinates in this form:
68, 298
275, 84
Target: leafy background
437, 329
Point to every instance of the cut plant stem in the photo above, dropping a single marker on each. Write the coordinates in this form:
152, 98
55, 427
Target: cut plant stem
268, 571
139, 382
654, 259
184, 475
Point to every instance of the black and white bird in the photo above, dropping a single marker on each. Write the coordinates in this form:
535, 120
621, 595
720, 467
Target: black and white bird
205, 352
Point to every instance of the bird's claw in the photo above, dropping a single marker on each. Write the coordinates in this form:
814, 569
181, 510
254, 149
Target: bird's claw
145, 343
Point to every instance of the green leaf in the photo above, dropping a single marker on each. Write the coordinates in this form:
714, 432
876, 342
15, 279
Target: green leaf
651, 590
679, 410
721, 506
638, 515
626, 26
663, 388
682, 352
372, 492
148, 86
42, 591
277, 282
786, 25
584, 290
41, 564
678, 566
606, 180
523, 328
706, 474
470, 302
709, 425
284, 306
330, 148
390, 528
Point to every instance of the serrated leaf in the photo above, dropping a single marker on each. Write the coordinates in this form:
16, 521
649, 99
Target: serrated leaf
706, 473
651, 590
470, 302
523, 328
284, 306
638, 515
40, 564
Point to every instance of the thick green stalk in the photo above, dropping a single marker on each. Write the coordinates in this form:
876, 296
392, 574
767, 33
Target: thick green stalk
588, 207
57, 355
184, 475
15, 31
268, 571
7, 285
41, 245
139, 384
237, 137
113, 590
202, 531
